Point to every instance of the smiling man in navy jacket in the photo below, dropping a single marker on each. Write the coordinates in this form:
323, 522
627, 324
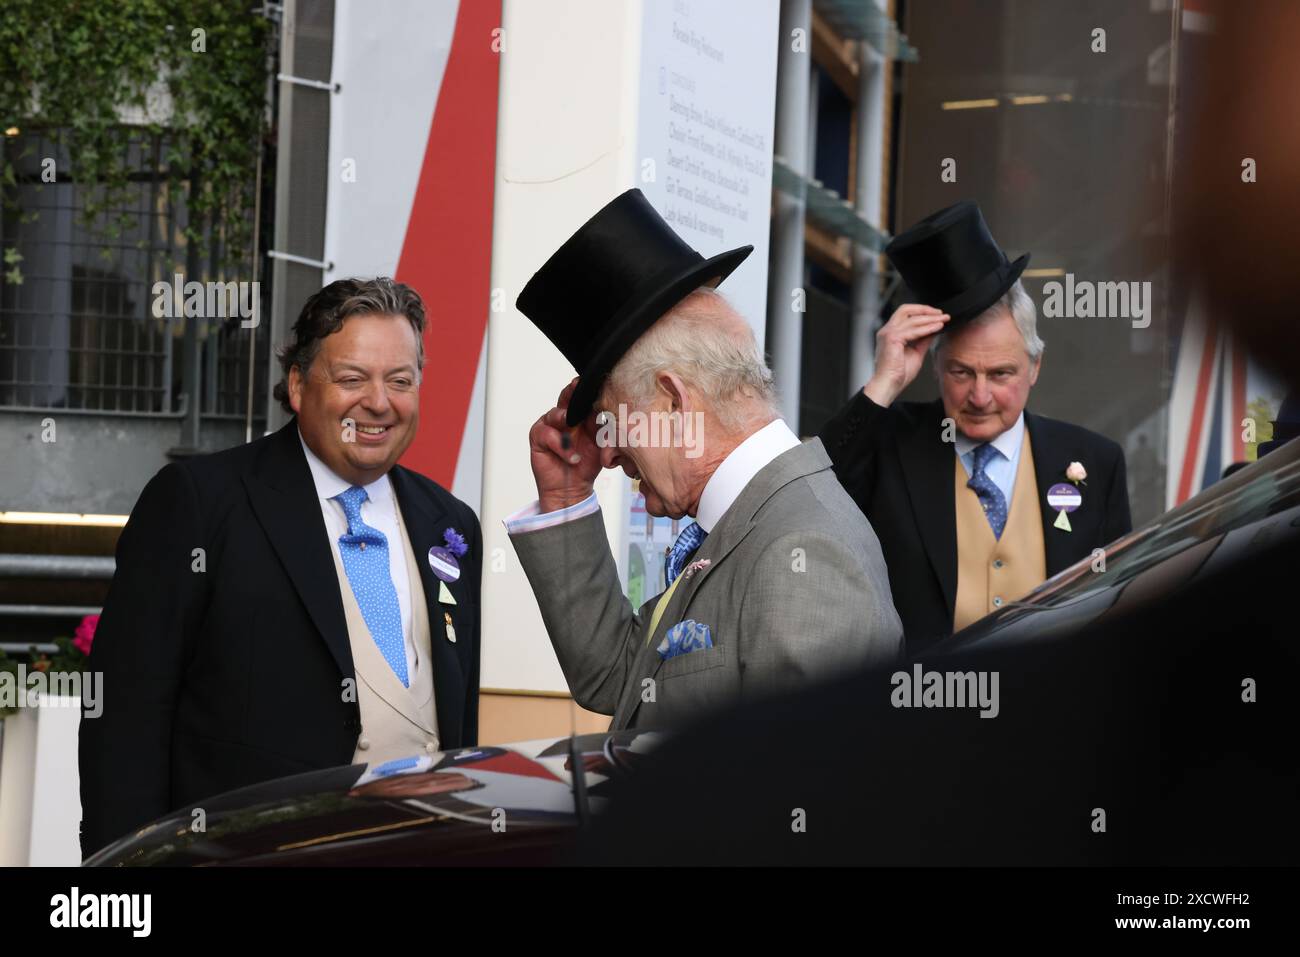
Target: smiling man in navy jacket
296, 603
975, 500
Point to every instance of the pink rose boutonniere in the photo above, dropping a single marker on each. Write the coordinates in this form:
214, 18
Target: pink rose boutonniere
1076, 473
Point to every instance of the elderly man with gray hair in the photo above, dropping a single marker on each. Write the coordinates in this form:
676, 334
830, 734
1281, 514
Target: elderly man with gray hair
975, 500
779, 579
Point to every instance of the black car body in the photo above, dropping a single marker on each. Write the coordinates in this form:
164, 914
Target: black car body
504, 805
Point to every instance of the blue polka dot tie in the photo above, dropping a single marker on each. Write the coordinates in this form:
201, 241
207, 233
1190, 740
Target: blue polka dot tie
990, 496
691, 537
365, 559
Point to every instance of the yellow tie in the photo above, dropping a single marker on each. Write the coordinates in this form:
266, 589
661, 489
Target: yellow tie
659, 608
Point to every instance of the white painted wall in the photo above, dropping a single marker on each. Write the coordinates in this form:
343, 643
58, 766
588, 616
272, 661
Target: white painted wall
566, 140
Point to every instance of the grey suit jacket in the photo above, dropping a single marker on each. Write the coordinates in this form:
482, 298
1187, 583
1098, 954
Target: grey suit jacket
795, 590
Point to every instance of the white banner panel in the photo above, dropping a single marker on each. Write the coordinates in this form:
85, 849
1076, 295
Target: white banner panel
389, 60
704, 147
704, 131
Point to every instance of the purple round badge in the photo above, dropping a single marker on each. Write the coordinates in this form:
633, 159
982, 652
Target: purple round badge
444, 563
1064, 497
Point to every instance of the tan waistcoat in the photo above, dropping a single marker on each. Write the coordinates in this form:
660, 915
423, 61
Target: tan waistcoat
396, 722
992, 571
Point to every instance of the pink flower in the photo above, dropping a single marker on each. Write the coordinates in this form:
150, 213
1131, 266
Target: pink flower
85, 634
1076, 473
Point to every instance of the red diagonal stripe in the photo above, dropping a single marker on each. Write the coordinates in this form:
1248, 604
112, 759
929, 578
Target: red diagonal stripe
447, 252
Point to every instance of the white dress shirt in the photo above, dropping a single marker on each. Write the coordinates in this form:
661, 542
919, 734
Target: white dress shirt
739, 468
1002, 467
720, 492
379, 511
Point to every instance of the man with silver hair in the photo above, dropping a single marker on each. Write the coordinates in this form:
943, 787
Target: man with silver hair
975, 501
779, 579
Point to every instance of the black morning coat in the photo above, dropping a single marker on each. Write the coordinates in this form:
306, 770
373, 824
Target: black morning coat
219, 678
898, 468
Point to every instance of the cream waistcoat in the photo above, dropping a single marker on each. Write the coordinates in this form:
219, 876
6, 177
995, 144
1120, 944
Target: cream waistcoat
396, 722
992, 571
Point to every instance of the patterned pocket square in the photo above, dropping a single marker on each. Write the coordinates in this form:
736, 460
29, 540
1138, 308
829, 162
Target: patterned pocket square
684, 637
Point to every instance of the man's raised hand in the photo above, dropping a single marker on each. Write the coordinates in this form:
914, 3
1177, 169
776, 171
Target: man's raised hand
900, 350
565, 460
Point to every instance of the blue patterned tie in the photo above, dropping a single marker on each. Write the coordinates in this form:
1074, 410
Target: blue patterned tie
991, 497
365, 559
691, 537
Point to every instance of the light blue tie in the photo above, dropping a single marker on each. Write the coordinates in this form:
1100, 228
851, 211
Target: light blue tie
365, 559
990, 496
691, 537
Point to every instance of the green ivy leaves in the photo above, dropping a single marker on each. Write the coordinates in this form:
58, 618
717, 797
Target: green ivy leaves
92, 76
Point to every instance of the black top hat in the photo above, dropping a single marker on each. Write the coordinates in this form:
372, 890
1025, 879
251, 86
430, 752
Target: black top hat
950, 261
609, 283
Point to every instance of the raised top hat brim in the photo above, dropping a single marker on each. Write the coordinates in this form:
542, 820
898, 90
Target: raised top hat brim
970, 302
638, 317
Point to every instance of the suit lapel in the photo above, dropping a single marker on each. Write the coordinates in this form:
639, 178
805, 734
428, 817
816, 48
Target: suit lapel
728, 536
927, 472
647, 662
284, 499
1050, 460
426, 520
736, 523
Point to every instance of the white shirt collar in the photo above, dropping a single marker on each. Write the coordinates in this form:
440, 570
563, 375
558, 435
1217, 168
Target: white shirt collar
1007, 443
737, 470
328, 484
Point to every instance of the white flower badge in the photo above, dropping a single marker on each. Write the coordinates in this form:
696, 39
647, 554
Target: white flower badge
694, 567
1066, 498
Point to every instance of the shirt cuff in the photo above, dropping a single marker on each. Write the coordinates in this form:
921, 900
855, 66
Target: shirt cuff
532, 519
